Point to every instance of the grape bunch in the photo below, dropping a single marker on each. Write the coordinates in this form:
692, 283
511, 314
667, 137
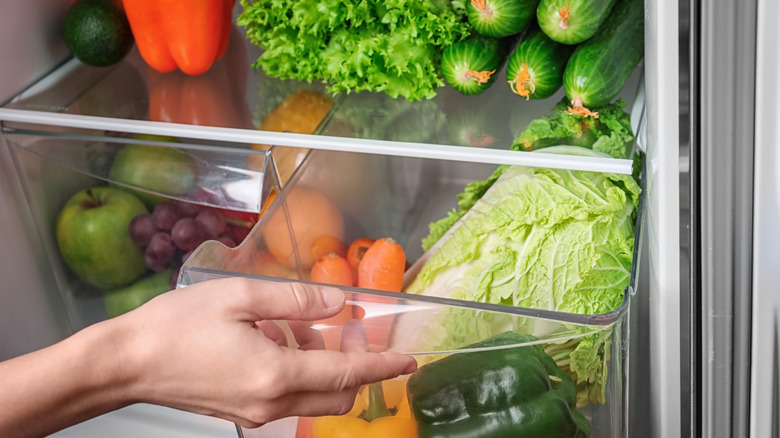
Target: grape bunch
172, 231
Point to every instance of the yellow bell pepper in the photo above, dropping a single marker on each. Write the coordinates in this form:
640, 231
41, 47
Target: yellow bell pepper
343, 426
370, 416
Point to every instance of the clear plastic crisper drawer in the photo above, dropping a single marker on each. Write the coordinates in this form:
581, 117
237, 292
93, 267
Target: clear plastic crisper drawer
53, 168
353, 196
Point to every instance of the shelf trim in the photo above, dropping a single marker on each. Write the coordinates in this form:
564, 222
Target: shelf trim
343, 144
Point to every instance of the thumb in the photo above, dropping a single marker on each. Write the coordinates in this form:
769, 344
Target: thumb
294, 301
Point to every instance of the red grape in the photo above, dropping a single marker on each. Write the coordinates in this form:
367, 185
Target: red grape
212, 223
187, 234
187, 209
165, 214
160, 252
142, 229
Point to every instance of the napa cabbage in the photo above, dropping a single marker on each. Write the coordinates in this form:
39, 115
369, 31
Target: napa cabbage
559, 240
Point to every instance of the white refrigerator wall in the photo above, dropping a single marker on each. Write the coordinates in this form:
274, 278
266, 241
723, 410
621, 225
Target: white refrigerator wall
30, 315
661, 330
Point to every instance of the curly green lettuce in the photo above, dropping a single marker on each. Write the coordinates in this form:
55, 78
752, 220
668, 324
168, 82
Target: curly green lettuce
610, 133
389, 46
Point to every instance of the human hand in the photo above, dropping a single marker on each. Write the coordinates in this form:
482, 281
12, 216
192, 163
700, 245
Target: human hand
211, 348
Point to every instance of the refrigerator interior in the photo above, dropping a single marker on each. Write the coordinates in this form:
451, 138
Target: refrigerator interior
48, 104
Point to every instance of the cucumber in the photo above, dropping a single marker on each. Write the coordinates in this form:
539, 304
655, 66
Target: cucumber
535, 68
572, 21
470, 65
500, 18
599, 67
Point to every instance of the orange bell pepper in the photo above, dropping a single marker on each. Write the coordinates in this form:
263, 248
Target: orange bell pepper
214, 98
185, 34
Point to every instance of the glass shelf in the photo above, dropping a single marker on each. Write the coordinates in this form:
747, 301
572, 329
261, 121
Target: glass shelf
229, 104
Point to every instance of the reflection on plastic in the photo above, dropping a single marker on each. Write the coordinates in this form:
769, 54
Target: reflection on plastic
214, 98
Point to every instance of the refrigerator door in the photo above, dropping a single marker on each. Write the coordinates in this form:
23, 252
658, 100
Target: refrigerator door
765, 328
723, 104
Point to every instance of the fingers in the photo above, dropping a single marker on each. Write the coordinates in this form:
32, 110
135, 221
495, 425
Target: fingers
302, 404
260, 300
273, 332
353, 337
322, 370
307, 337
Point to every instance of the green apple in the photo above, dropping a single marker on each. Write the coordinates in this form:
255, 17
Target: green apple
161, 169
93, 239
125, 299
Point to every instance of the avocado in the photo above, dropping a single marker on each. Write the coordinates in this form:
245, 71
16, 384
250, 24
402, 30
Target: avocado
97, 32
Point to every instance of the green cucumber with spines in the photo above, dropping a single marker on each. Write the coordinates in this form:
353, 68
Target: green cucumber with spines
572, 21
470, 66
500, 18
599, 68
535, 68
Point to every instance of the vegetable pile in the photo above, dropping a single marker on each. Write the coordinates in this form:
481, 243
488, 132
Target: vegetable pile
550, 239
409, 49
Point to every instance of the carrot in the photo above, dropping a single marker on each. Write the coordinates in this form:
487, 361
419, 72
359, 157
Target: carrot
305, 427
356, 250
326, 244
332, 269
382, 267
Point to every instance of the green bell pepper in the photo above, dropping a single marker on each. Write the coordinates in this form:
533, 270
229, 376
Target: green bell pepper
516, 392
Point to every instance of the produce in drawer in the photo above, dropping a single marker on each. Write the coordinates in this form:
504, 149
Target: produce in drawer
161, 169
500, 18
301, 112
306, 215
125, 299
392, 47
380, 411
505, 392
610, 133
572, 21
91, 234
356, 250
600, 66
557, 240
382, 266
332, 269
535, 67
325, 244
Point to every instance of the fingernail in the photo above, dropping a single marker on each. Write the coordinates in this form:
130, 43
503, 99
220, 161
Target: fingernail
332, 297
412, 367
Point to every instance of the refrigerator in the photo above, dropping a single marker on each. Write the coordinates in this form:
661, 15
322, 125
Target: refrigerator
703, 356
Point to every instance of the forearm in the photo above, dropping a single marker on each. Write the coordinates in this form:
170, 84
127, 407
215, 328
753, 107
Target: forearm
64, 384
